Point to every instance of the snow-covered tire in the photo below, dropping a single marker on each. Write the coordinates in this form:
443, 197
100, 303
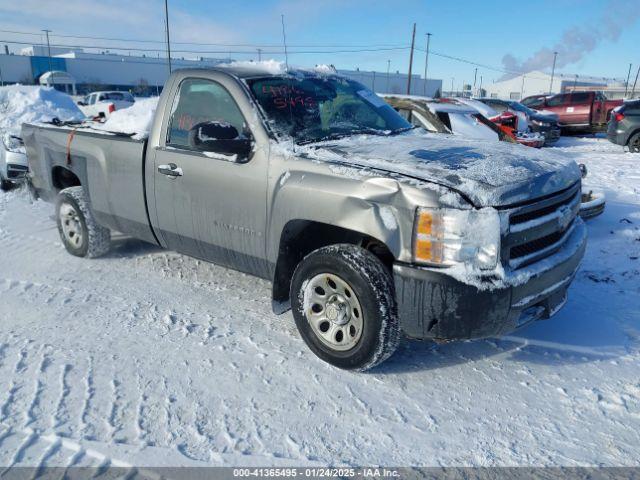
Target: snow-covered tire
80, 233
5, 185
360, 304
634, 143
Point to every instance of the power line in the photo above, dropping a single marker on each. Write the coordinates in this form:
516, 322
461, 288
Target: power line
254, 45
225, 51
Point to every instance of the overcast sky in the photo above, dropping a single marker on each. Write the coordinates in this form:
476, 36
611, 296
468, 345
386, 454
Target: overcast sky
593, 37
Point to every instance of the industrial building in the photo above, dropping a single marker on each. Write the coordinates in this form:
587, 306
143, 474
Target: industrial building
76, 71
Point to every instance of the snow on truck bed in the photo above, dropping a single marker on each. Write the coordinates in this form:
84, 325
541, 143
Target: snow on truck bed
147, 357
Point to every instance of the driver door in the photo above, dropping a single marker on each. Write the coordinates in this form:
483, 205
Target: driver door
208, 204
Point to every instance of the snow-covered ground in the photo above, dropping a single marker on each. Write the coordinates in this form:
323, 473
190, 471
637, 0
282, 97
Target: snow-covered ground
148, 358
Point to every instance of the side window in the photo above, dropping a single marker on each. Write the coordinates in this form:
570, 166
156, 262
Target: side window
556, 100
92, 99
579, 98
497, 106
199, 100
533, 101
444, 118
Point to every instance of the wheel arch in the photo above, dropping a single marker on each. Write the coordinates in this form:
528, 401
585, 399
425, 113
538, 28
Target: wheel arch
300, 237
62, 177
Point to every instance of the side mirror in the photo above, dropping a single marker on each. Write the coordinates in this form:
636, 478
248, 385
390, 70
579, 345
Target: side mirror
583, 169
220, 137
81, 103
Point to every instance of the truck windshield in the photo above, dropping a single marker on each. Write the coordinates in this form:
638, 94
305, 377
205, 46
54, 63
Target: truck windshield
313, 108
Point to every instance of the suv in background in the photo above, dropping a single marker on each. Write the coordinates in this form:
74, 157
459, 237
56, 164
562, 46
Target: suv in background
624, 126
546, 124
577, 111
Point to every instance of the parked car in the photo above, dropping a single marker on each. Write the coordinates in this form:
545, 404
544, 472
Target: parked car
20, 103
102, 104
546, 124
446, 117
578, 111
365, 226
13, 161
515, 124
624, 126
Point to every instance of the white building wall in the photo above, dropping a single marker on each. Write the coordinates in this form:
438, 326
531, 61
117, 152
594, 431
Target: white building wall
15, 68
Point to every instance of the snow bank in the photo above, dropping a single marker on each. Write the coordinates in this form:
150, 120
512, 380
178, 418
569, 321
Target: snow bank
29, 104
135, 120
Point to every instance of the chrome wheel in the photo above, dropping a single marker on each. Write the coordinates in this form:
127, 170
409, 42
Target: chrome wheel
333, 311
71, 225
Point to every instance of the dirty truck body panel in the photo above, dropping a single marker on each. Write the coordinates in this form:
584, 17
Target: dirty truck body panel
245, 213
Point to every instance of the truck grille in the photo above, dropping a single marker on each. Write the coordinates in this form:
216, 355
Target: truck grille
539, 229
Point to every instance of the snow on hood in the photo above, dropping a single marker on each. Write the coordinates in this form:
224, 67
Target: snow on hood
488, 173
29, 104
135, 120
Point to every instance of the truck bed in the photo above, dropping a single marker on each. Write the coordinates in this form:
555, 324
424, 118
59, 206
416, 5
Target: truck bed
110, 167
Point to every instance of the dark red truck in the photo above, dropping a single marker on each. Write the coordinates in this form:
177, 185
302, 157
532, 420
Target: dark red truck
577, 111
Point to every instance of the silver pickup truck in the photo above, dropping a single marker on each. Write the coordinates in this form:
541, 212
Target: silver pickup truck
366, 227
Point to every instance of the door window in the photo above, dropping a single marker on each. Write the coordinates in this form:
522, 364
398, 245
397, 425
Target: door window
199, 100
580, 98
556, 100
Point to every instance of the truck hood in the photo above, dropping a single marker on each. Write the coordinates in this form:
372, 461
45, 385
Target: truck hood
495, 174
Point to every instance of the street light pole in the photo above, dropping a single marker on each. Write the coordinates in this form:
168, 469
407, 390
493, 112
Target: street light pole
626, 85
49, 51
166, 19
426, 64
553, 71
259, 54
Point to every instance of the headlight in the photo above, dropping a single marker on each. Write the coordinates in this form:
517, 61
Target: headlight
12, 143
541, 124
446, 237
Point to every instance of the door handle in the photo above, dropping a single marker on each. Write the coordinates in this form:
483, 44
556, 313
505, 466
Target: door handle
171, 170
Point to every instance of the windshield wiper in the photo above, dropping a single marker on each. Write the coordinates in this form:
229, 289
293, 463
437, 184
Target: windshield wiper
338, 136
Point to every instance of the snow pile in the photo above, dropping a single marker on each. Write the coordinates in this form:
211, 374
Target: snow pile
135, 120
28, 104
272, 67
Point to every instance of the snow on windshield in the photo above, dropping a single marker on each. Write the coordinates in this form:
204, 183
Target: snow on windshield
29, 104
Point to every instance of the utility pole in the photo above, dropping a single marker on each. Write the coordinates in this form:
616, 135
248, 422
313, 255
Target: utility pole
259, 54
388, 69
553, 71
49, 51
426, 64
373, 83
626, 85
522, 87
452, 79
413, 44
481, 86
633, 91
166, 20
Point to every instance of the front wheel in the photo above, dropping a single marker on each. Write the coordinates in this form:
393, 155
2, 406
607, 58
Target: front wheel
81, 235
634, 143
343, 303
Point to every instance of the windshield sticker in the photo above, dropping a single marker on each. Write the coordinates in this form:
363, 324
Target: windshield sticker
371, 98
284, 96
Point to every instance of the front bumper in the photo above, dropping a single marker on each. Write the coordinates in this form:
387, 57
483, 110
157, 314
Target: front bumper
432, 304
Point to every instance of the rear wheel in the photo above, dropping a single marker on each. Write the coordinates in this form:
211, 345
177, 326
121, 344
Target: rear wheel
344, 306
634, 143
79, 232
